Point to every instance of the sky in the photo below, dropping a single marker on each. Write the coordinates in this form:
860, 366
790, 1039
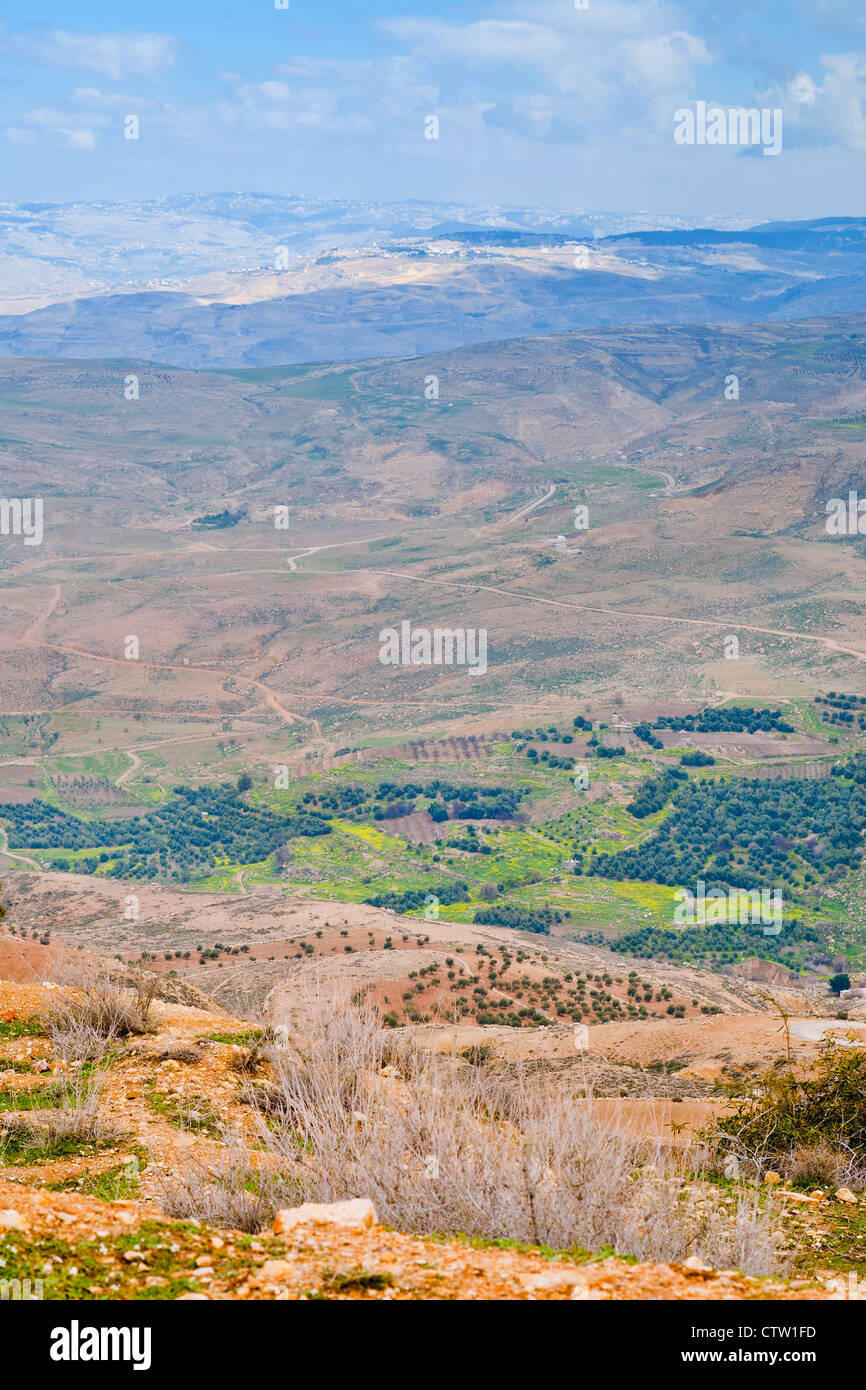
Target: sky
538, 104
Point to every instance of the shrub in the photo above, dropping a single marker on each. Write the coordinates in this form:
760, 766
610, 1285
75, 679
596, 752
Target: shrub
815, 1166
786, 1114
248, 1060
58, 1132
96, 1008
226, 1190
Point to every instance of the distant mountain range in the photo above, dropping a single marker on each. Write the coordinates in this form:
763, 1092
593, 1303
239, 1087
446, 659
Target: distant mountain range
50, 251
246, 280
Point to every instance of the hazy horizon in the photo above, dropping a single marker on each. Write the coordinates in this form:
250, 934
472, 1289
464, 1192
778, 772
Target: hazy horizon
553, 106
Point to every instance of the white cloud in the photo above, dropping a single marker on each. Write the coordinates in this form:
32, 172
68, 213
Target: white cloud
93, 97
666, 61
277, 106
637, 45
116, 55
97, 109
77, 131
826, 111
337, 69
560, 76
482, 40
275, 91
80, 139
802, 91
564, 74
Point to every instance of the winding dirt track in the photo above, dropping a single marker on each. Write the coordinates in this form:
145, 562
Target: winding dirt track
11, 854
288, 716
523, 511
133, 767
334, 545
36, 630
34, 634
728, 626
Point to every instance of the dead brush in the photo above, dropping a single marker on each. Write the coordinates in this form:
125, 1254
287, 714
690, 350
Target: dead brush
819, 1165
74, 1038
182, 1052
249, 1061
96, 1009
56, 1132
226, 1190
440, 1147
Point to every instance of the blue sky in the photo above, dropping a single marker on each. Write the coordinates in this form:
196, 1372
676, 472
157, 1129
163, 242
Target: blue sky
539, 103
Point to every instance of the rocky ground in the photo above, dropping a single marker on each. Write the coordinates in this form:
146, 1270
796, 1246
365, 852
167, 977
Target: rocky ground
84, 1248
88, 1223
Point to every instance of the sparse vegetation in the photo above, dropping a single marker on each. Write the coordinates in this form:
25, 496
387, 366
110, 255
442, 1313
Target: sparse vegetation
465, 1151
72, 1122
803, 1120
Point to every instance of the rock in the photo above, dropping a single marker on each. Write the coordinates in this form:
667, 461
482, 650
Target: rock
192, 1298
707, 1072
357, 1215
697, 1265
555, 1278
11, 1221
274, 1271
800, 1197
771, 1179
844, 1194
203, 1261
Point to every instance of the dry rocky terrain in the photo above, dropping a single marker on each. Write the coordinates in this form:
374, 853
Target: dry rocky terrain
92, 1223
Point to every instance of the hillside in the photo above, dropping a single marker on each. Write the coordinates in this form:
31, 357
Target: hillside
97, 1215
442, 512
196, 692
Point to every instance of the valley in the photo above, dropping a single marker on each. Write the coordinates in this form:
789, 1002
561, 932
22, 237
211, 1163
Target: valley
216, 782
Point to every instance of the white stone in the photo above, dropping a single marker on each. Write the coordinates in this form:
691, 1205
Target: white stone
358, 1214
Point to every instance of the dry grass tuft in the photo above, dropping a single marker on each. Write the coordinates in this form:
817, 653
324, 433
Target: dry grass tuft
76, 1120
819, 1165
227, 1191
96, 1009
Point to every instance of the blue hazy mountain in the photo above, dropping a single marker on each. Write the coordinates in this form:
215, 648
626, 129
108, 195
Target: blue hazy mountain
194, 282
